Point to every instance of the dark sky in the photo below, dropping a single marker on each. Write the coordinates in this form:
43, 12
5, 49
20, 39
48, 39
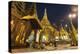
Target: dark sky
57, 13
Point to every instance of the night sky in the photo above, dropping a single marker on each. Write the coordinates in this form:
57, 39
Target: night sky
57, 13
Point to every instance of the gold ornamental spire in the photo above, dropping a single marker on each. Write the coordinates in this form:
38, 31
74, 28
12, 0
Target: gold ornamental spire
45, 14
35, 11
45, 20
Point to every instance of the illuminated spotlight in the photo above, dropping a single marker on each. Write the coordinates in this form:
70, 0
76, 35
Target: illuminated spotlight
70, 16
74, 15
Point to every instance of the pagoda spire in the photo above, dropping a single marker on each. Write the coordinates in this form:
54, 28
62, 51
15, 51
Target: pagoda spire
45, 14
35, 10
45, 20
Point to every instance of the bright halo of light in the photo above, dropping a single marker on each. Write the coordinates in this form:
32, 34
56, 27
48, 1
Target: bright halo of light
44, 37
73, 15
70, 16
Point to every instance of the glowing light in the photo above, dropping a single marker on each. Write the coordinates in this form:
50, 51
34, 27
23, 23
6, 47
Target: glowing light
65, 37
72, 15
44, 37
27, 40
66, 25
12, 22
57, 37
21, 23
